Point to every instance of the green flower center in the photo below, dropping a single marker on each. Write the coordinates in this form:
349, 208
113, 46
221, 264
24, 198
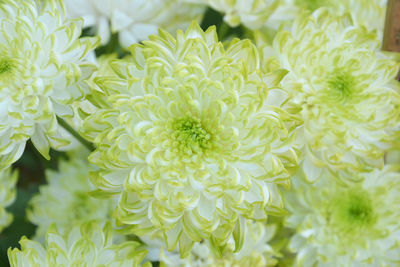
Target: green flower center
341, 85
353, 211
190, 135
359, 210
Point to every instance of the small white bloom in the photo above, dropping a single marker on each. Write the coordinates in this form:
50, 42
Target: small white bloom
65, 198
134, 20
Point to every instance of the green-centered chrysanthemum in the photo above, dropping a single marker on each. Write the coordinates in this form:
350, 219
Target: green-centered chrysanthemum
65, 198
345, 89
188, 139
352, 225
256, 251
42, 67
87, 244
368, 13
8, 179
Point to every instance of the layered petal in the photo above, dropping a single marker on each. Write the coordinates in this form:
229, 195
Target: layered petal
86, 244
255, 252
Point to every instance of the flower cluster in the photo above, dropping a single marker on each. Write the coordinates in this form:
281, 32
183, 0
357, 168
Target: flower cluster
199, 147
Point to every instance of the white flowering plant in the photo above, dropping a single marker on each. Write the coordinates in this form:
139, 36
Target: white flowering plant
198, 133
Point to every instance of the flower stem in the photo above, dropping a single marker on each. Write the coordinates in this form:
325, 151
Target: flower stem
75, 134
224, 31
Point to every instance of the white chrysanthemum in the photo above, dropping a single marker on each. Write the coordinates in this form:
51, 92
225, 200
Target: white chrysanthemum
65, 200
345, 89
369, 13
8, 180
134, 20
256, 251
341, 226
252, 13
86, 244
41, 71
189, 138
